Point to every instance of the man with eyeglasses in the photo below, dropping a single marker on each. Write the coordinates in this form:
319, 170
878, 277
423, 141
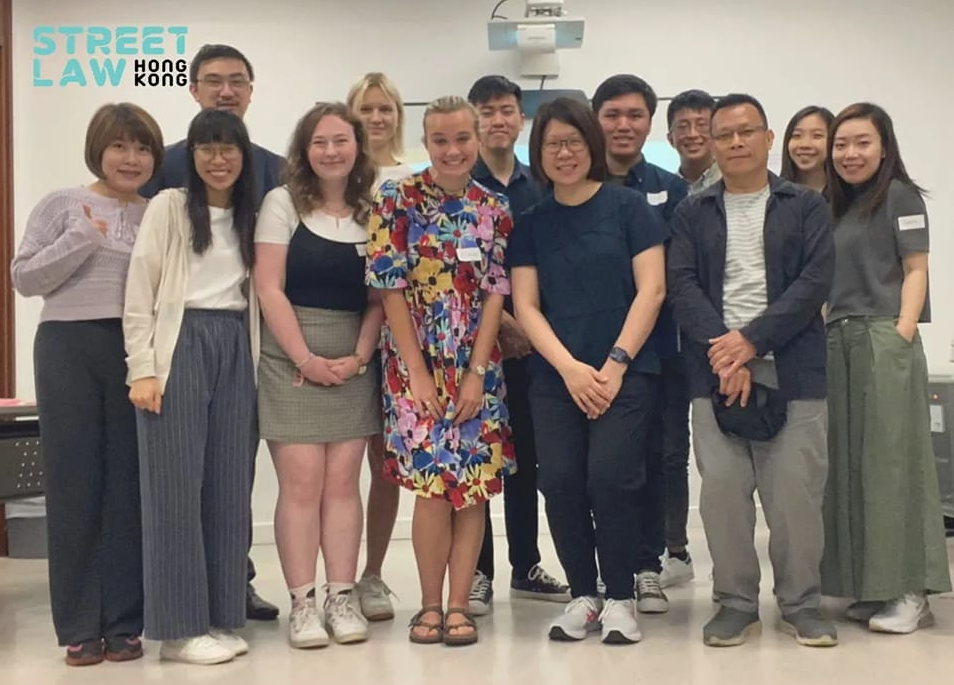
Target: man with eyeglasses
688, 116
750, 263
625, 105
221, 78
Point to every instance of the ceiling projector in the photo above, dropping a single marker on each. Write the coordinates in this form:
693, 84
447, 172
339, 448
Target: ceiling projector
537, 36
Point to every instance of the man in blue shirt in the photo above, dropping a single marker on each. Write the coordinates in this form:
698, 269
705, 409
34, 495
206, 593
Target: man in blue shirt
625, 105
501, 119
221, 78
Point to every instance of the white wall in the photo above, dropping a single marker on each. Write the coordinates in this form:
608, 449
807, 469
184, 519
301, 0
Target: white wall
787, 54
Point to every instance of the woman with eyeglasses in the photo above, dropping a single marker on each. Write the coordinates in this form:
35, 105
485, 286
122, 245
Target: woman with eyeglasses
375, 100
436, 253
191, 323
317, 403
74, 254
805, 148
588, 270
884, 530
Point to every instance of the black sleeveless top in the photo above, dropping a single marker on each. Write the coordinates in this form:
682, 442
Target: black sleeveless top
325, 274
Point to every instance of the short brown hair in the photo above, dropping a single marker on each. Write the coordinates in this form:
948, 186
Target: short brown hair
580, 117
305, 187
121, 121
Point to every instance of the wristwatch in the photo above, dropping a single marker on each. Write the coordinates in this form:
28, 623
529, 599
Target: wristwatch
620, 356
362, 364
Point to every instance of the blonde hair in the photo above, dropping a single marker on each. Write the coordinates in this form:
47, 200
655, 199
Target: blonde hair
375, 79
448, 104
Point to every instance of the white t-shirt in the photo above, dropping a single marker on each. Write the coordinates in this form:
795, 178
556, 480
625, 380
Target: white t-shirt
392, 173
745, 293
278, 219
216, 277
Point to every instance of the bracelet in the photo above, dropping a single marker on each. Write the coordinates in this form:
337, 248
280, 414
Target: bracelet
361, 360
307, 359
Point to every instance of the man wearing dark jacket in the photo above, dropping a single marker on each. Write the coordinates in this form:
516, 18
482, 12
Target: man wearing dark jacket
750, 264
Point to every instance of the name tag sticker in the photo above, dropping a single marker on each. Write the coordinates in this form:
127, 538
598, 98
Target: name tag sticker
362, 249
468, 254
911, 223
657, 198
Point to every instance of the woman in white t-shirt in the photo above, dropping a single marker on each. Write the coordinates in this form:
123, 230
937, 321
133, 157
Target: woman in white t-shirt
317, 404
190, 325
376, 101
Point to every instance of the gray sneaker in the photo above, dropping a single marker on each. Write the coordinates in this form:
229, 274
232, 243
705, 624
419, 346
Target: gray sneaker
730, 627
810, 628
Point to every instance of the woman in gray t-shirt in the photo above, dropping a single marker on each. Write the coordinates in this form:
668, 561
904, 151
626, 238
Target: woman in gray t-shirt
884, 532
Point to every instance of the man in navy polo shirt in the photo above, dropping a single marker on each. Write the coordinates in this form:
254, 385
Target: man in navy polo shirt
625, 105
220, 77
501, 119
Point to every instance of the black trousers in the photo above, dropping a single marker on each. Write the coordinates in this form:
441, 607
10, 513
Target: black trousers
520, 489
91, 466
674, 392
591, 474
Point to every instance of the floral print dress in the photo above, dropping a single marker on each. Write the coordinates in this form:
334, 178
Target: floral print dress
445, 252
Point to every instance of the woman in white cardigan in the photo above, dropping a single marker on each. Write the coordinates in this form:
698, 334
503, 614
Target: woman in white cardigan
190, 325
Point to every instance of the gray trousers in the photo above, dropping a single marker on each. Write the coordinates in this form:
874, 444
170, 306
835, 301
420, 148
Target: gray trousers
789, 473
195, 481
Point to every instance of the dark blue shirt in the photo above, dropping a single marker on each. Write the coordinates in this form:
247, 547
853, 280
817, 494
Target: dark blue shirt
174, 172
522, 192
663, 191
583, 257
799, 269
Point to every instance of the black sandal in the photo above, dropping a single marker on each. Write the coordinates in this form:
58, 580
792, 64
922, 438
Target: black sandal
435, 631
468, 638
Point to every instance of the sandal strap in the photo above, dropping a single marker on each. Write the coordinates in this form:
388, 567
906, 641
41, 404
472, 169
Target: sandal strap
467, 622
417, 619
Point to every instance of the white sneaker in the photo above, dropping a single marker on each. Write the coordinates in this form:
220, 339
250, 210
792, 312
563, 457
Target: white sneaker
481, 599
675, 571
619, 622
304, 625
650, 599
343, 619
581, 616
230, 641
375, 599
203, 650
903, 615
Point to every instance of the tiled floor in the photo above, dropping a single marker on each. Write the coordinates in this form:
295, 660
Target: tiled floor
513, 647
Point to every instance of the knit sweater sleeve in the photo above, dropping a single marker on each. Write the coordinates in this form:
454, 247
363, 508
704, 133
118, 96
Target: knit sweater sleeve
58, 239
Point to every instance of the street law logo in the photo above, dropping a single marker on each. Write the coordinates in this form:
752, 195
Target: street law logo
81, 56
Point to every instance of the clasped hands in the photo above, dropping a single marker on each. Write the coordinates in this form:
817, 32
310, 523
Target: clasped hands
327, 372
728, 356
467, 404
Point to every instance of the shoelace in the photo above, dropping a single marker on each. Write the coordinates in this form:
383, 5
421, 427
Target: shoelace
377, 588
300, 617
584, 603
648, 585
609, 605
479, 586
538, 574
341, 606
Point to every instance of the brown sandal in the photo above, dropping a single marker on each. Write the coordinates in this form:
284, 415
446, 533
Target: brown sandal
417, 621
460, 640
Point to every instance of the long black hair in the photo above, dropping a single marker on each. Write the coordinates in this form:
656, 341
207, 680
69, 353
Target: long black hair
789, 171
218, 126
841, 193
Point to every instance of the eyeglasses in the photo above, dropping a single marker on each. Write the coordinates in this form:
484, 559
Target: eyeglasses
745, 135
218, 83
553, 147
208, 151
684, 128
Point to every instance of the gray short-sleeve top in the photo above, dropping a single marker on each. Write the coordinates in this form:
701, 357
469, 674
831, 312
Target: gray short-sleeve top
869, 251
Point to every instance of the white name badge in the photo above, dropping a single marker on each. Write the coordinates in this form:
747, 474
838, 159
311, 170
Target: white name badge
469, 254
911, 223
657, 198
362, 249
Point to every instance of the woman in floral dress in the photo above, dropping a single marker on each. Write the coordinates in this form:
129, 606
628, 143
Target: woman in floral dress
436, 249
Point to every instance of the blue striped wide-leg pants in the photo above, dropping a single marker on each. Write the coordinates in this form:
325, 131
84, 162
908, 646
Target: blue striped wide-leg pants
195, 480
